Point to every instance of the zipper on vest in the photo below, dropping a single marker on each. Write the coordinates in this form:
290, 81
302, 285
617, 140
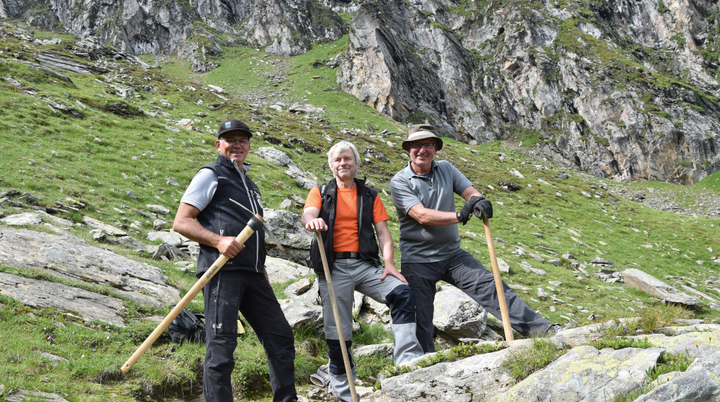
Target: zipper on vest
254, 208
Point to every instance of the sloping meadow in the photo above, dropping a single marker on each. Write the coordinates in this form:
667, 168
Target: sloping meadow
111, 143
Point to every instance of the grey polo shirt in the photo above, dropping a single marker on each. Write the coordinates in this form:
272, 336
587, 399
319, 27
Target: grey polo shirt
424, 243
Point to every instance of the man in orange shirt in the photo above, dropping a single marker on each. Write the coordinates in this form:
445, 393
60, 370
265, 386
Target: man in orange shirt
345, 211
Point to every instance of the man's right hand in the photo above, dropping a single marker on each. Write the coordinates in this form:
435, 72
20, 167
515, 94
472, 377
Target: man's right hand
467, 209
316, 224
228, 246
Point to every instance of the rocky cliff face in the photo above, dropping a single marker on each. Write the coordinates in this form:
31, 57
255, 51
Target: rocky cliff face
623, 90
192, 29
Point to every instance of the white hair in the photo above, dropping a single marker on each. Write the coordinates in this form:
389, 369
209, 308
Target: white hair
342, 146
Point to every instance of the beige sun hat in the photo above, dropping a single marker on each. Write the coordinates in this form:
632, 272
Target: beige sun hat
422, 131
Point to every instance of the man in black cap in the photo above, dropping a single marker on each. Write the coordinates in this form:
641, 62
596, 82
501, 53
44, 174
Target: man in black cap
424, 195
207, 216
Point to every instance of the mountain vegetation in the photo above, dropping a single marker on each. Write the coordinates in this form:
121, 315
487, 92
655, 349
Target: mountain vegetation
98, 130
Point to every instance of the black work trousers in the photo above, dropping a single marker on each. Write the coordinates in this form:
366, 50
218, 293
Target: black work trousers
469, 275
250, 293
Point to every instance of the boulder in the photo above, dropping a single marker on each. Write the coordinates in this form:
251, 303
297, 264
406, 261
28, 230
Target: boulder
698, 383
457, 316
586, 374
68, 257
638, 279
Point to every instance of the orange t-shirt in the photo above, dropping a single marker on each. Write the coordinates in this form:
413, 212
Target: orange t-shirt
345, 232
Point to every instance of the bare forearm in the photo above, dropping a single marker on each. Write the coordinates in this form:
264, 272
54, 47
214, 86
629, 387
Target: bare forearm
433, 217
193, 230
386, 246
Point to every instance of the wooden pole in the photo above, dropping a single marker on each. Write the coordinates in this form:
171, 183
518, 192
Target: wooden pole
255, 224
498, 283
336, 314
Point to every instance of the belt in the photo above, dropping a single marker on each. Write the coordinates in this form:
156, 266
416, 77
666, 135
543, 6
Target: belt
347, 255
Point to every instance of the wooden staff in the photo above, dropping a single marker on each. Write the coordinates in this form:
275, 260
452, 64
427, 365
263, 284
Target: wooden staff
336, 314
255, 224
498, 283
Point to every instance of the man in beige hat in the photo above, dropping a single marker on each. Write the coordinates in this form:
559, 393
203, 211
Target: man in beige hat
423, 194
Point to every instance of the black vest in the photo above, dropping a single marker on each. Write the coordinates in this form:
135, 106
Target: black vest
226, 218
366, 231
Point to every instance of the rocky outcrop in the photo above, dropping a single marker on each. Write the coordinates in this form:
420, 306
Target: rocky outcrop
626, 91
640, 280
68, 258
192, 29
622, 90
582, 373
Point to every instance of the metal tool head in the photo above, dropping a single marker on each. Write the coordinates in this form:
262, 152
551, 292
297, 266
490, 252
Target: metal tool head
265, 228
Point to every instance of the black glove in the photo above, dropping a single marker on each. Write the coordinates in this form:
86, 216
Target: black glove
483, 208
467, 209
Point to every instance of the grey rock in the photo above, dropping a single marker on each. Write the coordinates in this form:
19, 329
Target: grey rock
33, 395
692, 344
380, 311
281, 271
288, 230
300, 314
62, 62
304, 179
587, 374
100, 236
503, 266
70, 258
456, 315
274, 155
640, 280
538, 271
304, 108
166, 251
108, 229
158, 209
299, 287
383, 349
285, 204
601, 262
172, 237
160, 224
25, 218
609, 276
477, 377
40, 293
54, 359
697, 383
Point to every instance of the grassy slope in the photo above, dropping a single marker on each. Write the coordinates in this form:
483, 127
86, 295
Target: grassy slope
98, 158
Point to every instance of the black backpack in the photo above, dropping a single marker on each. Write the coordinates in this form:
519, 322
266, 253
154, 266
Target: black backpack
188, 327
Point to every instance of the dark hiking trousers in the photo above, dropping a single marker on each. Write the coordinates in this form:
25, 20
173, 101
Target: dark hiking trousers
470, 276
251, 294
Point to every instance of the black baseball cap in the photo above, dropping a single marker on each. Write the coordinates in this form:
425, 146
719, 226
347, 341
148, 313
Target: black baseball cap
233, 125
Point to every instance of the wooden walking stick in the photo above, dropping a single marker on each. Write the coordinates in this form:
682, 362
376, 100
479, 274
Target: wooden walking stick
254, 224
498, 281
336, 314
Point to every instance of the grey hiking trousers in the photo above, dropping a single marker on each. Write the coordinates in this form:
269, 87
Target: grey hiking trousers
348, 276
469, 275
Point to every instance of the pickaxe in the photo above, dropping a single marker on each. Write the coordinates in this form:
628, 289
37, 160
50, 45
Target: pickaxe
255, 223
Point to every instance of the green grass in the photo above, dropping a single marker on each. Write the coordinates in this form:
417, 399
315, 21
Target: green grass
523, 362
667, 363
97, 158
